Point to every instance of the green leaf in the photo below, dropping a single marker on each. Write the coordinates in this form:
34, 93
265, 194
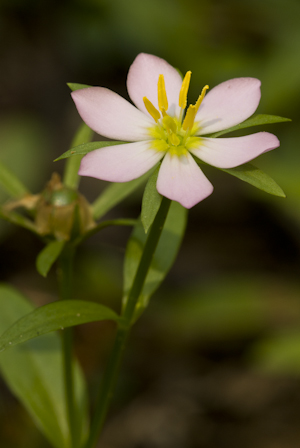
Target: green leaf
86, 148
256, 120
163, 258
34, 373
71, 177
115, 193
151, 201
257, 178
52, 317
48, 256
11, 184
74, 86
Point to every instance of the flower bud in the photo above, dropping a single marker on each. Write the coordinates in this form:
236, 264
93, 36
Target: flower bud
62, 211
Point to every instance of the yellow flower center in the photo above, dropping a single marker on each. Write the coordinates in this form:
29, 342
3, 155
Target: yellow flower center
174, 134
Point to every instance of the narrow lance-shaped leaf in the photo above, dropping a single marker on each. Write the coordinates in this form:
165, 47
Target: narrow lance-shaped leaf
71, 177
54, 316
48, 256
34, 373
151, 201
85, 148
256, 120
252, 175
163, 258
11, 184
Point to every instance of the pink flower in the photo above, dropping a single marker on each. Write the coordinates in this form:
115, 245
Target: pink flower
160, 128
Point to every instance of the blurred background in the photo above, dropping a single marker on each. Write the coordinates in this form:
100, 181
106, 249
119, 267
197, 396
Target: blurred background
215, 360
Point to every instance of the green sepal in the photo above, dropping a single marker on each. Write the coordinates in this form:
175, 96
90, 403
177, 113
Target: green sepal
48, 256
86, 148
34, 373
151, 201
11, 184
256, 120
163, 259
75, 86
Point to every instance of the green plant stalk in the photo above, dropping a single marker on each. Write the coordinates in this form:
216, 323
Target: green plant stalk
11, 183
65, 272
71, 178
18, 220
112, 369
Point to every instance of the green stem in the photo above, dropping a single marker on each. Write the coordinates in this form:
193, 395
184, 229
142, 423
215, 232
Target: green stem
113, 365
18, 220
71, 178
65, 282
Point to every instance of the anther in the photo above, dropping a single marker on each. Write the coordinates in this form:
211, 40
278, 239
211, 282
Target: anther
188, 121
162, 94
200, 99
151, 109
184, 90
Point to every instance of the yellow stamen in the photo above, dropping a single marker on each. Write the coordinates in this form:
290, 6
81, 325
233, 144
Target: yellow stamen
189, 118
151, 109
200, 99
162, 94
184, 90
170, 124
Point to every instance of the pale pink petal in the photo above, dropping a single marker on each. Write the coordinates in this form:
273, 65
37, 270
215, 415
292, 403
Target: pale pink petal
142, 81
228, 104
110, 115
232, 152
120, 163
181, 180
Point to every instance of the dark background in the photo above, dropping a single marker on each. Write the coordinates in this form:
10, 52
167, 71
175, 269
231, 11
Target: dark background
215, 360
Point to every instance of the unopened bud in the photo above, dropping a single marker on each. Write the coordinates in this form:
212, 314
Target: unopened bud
62, 211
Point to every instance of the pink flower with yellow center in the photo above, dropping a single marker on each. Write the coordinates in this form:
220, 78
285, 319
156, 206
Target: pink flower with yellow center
160, 128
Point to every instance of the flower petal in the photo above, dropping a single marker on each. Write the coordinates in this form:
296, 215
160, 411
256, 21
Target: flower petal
181, 180
110, 115
142, 81
232, 152
228, 104
120, 163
